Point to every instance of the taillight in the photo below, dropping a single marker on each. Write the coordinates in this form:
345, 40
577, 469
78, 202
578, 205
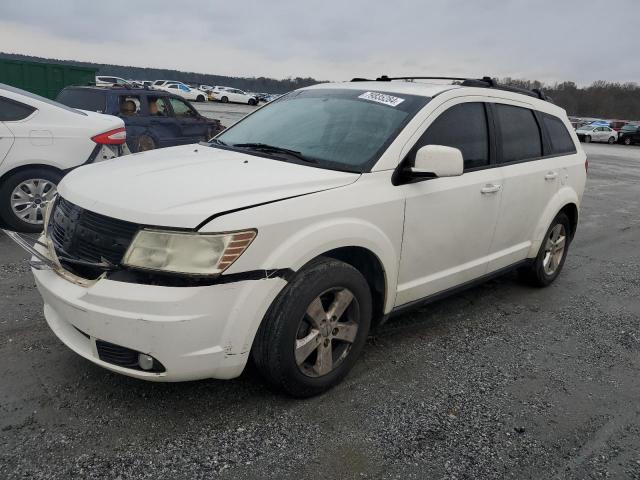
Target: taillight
112, 137
586, 165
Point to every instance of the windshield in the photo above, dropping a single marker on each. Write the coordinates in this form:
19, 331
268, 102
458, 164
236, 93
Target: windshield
340, 129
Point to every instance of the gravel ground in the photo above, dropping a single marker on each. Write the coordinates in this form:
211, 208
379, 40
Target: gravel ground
502, 381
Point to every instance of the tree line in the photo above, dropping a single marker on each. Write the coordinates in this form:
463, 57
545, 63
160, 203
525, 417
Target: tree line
252, 84
602, 99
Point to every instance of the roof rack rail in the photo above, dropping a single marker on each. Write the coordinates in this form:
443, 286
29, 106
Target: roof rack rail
484, 82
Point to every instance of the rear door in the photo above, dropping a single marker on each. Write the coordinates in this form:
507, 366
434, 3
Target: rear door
12, 114
531, 173
193, 126
6, 139
163, 125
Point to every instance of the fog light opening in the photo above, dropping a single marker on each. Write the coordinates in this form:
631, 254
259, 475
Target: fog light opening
145, 361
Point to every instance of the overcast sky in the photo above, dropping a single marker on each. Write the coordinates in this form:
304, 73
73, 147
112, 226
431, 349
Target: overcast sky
549, 40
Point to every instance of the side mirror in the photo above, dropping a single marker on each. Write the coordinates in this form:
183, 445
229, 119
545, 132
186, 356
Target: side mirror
437, 161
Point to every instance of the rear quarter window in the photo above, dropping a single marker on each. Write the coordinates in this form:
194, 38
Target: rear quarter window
12, 111
559, 137
84, 99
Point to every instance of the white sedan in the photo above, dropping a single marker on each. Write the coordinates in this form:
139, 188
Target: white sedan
41, 140
233, 95
597, 133
184, 91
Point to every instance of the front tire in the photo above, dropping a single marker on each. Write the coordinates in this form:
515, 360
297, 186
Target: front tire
550, 259
315, 330
252, 101
627, 141
587, 139
200, 98
24, 196
224, 100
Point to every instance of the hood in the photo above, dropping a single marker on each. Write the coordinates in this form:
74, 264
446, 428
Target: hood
183, 186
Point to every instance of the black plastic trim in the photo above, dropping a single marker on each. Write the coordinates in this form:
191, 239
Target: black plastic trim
162, 279
459, 288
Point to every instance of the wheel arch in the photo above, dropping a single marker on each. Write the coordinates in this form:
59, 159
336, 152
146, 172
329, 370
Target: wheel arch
371, 268
566, 200
30, 166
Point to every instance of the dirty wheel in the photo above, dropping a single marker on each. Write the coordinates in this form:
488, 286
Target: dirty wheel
315, 330
552, 254
144, 143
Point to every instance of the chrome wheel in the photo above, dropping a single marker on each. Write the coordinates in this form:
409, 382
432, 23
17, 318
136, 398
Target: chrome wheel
30, 198
326, 332
554, 249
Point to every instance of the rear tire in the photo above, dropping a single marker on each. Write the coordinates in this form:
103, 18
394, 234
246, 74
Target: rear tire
252, 101
550, 259
587, 139
315, 330
612, 140
145, 143
24, 196
200, 98
627, 141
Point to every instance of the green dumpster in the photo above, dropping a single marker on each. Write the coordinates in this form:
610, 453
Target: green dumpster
46, 79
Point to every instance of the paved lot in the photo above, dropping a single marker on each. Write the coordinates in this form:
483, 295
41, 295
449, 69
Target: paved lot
227, 113
502, 381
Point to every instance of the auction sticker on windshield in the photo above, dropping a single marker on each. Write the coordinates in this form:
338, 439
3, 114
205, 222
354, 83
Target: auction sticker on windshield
382, 98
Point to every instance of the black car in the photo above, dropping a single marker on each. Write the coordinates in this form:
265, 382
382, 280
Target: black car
153, 119
629, 134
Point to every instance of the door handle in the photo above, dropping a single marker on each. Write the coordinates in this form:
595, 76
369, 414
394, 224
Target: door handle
490, 188
551, 176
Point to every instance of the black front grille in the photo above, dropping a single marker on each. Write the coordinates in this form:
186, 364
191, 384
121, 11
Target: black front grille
123, 356
78, 234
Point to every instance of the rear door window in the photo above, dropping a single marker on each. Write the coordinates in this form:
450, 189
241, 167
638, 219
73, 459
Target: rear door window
559, 137
84, 99
463, 126
12, 111
520, 134
129, 105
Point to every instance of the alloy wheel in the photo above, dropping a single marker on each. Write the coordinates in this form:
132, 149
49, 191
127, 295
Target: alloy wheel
30, 198
554, 249
326, 332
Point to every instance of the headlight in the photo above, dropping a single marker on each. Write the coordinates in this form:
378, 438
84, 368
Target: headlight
187, 252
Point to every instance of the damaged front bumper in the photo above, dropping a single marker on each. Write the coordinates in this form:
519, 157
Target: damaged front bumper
193, 332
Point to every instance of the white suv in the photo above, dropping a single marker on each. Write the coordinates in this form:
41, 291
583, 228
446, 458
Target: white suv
308, 222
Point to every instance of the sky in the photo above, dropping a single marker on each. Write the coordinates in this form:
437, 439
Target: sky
548, 40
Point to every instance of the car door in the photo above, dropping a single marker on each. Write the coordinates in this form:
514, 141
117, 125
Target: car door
163, 125
450, 222
6, 140
530, 180
192, 125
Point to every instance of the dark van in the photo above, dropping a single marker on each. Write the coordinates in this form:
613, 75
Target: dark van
153, 119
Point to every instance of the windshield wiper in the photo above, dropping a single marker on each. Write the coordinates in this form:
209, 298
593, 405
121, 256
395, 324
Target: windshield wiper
264, 147
217, 142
